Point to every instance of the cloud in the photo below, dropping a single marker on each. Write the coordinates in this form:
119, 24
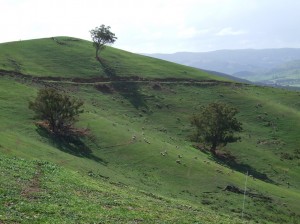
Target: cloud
228, 31
191, 32
158, 25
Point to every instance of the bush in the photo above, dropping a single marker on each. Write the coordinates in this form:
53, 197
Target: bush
57, 110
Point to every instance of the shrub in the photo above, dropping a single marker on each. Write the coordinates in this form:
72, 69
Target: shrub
57, 110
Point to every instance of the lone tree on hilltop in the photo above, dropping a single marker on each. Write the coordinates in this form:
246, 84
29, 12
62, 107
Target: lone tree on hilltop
101, 36
216, 124
57, 110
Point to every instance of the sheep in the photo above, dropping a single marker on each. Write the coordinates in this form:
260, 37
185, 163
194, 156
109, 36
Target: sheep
146, 141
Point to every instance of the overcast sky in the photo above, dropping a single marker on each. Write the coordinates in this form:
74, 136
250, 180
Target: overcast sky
159, 26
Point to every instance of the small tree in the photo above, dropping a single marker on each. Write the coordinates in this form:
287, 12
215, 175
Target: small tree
216, 124
59, 111
102, 36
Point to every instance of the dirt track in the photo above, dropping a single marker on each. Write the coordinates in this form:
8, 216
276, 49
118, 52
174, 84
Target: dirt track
97, 80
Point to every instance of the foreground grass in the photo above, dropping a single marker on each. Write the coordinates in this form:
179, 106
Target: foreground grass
42, 192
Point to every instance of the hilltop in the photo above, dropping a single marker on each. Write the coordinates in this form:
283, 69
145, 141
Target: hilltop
152, 100
69, 57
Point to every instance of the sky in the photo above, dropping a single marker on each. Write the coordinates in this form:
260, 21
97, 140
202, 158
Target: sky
158, 26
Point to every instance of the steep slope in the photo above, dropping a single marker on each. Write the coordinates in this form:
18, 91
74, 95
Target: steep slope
157, 112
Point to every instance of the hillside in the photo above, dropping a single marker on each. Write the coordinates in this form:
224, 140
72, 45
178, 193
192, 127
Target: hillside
109, 174
73, 58
46, 193
254, 65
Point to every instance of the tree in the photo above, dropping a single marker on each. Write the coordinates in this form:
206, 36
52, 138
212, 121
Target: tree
58, 111
102, 36
216, 124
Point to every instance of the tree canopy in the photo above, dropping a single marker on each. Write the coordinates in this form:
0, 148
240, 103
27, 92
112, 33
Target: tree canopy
101, 36
216, 124
58, 110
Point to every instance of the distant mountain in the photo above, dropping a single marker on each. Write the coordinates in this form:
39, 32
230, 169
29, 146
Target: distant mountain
250, 64
227, 76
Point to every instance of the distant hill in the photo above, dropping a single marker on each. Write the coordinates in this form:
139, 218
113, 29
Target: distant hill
254, 65
286, 74
231, 77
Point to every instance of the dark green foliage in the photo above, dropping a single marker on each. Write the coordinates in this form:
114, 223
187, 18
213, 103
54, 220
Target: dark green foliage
216, 124
102, 36
57, 110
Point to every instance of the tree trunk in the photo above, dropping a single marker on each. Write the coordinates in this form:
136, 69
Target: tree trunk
53, 128
213, 148
97, 54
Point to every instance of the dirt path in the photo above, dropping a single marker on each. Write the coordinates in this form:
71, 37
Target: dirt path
34, 186
99, 80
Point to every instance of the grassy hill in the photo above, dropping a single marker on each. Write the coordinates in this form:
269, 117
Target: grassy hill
108, 176
72, 57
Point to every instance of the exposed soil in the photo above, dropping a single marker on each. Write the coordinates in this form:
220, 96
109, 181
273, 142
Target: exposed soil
233, 189
237, 190
34, 186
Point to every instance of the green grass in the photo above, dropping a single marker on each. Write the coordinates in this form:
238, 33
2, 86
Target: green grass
161, 118
34, 191
71, 57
